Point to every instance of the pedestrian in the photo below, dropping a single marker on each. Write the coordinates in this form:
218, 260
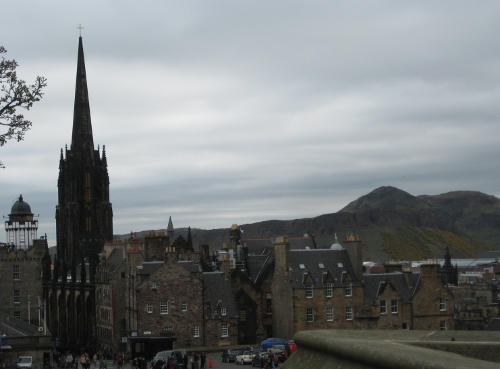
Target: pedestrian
203, 360
271, 359
185, 360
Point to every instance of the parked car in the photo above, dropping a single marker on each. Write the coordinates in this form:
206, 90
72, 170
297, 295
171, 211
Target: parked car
254, 348
281, 351
263, 356
25, 362
273, 341
278, 353
244, 357
177, 354
229, 356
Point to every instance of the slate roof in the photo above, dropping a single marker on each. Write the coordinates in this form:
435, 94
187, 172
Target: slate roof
376, 283
218, 293
149, 267
258, 246
115, 259
13, 327
262, 246
257, 265
190, 266
336, 263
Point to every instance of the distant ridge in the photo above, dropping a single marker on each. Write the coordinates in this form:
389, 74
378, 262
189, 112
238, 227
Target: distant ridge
392, 224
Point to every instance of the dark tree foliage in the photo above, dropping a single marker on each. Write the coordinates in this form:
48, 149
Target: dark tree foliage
190, 240
15, 93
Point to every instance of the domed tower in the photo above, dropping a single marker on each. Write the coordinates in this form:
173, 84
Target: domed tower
21, 228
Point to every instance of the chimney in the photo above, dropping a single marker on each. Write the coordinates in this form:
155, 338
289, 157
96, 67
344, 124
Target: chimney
171, 255
282, 254
352, 244
205, 252
393, 266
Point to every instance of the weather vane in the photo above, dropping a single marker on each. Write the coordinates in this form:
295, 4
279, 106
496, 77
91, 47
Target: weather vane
80, 28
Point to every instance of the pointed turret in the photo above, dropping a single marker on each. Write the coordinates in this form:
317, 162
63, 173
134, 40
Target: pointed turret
82, 140
170, 228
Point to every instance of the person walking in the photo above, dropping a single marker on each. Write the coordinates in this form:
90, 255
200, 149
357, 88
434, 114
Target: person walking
203, 360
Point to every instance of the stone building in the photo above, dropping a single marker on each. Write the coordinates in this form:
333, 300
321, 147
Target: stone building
84, 222
287, 285
21, 265
154, 297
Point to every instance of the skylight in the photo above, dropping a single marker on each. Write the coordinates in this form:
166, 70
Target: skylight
340, 265
321, 265
302, 266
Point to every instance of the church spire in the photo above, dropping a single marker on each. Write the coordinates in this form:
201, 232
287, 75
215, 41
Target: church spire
82, 140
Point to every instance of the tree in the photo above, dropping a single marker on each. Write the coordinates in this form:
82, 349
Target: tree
15, 93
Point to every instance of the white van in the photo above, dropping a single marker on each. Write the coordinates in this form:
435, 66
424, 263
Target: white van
25, 362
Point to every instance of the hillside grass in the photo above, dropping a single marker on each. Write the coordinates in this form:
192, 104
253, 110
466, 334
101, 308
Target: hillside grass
414, 243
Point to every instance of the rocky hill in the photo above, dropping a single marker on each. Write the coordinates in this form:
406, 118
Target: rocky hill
392, 224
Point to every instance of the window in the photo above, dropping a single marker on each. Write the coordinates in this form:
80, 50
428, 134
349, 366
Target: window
329, 314
163, 307
224, 330
309, 315
184, 306
153, 285
15, 272
269, 306
442, 304
442, 325
406, 326
223, 311
329, 289
196, 330
309, 290
383, 307
348, 289
302, 266
168, 328
17, 314
394, 306
17, 296
149, 307
348, 313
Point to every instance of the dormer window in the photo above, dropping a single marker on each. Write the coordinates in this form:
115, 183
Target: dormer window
223, 311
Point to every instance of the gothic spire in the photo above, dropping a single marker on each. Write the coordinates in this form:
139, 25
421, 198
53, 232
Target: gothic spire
82, 140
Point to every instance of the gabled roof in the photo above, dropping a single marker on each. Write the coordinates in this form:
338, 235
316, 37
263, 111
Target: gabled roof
375, 284
320, 263
218, 293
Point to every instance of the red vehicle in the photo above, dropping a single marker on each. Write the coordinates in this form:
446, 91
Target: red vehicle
292, 346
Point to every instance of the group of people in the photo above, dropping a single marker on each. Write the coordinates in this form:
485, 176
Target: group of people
99, 360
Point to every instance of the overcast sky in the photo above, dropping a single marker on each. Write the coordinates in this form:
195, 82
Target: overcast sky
222, 112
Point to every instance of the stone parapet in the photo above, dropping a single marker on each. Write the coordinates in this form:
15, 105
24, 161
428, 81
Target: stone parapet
392, 349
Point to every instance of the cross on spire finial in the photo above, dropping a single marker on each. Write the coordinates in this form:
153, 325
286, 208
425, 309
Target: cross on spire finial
80, 28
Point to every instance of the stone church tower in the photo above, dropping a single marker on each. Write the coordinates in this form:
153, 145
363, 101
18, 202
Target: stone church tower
84, 214
84, 222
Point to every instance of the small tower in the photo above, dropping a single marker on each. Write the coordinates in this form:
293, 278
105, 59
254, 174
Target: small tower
170, 228
21, 228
